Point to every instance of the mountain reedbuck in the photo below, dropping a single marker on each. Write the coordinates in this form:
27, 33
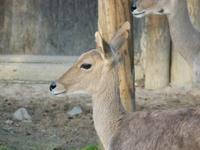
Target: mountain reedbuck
184, 36
95, 72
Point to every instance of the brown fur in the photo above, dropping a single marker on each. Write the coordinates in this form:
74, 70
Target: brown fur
184, 36
117, 130
159, 130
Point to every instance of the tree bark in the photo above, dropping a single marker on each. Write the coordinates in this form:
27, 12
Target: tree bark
156, 49
181, 72
112, 14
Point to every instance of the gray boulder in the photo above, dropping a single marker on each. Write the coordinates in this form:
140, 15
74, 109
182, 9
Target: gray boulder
22, 115
75, 111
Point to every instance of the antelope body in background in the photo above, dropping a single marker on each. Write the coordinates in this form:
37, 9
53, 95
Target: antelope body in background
184, 36
95, 72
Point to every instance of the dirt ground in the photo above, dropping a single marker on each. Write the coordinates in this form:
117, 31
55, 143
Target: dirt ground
51, 128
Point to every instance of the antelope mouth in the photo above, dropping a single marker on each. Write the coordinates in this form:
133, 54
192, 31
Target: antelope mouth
56, 93
138, 14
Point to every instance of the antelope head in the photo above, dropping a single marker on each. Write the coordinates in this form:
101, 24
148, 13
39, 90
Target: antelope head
86, 73
141, 8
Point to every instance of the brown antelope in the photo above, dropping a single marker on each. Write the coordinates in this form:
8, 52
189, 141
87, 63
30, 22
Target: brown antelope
184, 36
95, 72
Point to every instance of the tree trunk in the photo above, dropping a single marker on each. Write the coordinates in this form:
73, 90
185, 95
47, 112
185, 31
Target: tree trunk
181, 72
179, 65
156, 49
112, 14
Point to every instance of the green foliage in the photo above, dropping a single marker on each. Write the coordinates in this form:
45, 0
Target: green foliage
90, 147
4, 147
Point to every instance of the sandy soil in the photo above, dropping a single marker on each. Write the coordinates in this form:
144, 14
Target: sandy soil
51, 128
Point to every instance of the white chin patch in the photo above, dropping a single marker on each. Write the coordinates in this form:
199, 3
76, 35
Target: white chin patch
138, 14
58, 93
64, 93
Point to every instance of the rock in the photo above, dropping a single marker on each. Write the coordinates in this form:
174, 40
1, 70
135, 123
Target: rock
22, 115
75, 111
9, 122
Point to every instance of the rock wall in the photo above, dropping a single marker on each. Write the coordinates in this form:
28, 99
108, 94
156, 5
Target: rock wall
47, 27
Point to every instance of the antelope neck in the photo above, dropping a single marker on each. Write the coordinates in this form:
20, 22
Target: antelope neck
182, 31
107, 108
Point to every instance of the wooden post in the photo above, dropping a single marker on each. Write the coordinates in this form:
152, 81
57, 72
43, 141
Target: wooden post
156, 49
181, 72
112, 14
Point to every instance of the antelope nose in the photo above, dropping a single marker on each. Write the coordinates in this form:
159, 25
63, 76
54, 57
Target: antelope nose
52, 86
133, 7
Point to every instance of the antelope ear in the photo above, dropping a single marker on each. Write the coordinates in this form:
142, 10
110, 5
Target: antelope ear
102, 45
99, 41
120, 37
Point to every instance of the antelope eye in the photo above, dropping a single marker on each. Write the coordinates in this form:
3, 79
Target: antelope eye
86, 66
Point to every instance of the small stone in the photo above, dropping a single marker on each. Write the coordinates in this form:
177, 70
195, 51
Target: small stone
9, 104
17, 125
70, 118
44, 131
54, 105
75, 111
9, 122
22, 115
28, 133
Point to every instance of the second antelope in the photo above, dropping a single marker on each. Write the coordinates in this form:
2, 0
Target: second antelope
95, 72
184, 36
